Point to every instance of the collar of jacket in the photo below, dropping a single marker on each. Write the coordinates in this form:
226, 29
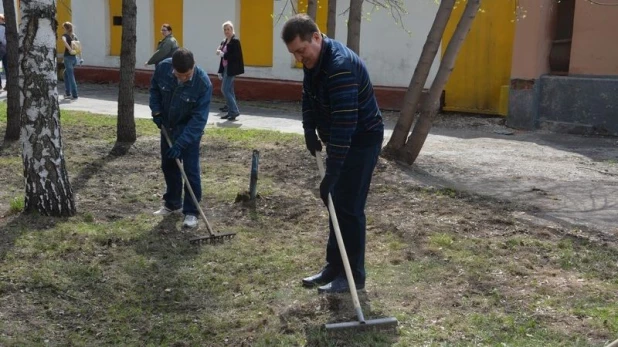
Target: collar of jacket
315, 72
188, 83
170, 36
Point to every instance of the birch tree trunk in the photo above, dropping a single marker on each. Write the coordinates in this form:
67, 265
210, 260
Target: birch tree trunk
48, 189
125, 128
432, 104
354, 25
13, 109
331, 20
415, 89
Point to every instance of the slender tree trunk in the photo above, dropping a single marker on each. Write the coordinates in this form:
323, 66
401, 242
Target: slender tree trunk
126, 133
12, 73
48, 189
354, 25
331, 20
312, 9
415, 89
432, 103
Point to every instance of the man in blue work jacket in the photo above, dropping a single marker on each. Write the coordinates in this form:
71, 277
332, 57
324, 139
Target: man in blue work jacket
338, 101
180, 94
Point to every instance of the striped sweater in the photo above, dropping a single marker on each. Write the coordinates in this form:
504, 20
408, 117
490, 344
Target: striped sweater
338, 101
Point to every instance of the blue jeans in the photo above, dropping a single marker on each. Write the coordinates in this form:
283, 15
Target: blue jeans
227, 88
173, 178
349, 197
70, 86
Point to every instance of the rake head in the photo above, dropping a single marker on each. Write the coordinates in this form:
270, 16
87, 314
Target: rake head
381, 324
212, 239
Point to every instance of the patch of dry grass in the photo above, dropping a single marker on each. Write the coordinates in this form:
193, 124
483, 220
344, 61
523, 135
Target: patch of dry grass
454, 269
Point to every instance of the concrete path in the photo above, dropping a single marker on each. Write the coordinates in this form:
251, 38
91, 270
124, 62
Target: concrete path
568, 178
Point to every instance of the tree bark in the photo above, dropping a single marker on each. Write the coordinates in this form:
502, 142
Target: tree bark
354, 25
331, 20
126, 133
312, 9
48, 189
415, 89
432, 103
13, 109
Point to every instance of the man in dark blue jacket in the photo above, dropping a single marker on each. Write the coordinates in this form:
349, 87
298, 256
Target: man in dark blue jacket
338, 101
180, 95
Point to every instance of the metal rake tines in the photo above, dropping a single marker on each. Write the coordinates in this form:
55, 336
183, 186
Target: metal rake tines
212, 239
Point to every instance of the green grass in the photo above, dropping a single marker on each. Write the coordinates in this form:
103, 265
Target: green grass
453, 271
16, 205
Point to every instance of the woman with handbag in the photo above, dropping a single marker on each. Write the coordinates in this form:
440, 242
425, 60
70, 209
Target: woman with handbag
70, 60
230, 66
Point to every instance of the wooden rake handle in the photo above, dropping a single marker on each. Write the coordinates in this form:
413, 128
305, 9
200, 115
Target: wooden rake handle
344, 254
187, 184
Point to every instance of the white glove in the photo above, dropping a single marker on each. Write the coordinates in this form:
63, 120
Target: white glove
81, 62
220, 52
220, 76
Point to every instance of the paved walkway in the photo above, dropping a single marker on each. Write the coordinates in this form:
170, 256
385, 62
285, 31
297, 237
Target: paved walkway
568, 178
103, 99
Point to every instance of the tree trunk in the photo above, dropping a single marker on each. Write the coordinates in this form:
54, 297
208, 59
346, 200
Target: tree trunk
126, 100
415, 89
48, 189
331, 20
13, 109
312, 9
354, 25
432, 103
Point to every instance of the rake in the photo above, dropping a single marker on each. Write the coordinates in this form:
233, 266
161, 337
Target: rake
212, 237
380, 323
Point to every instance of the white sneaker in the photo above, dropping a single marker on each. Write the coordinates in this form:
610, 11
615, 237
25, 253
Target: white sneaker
164, 211
190, 221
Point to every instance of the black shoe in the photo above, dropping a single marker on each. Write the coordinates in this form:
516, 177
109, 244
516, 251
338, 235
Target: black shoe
339, 285
223, 109
225, 116
325, 276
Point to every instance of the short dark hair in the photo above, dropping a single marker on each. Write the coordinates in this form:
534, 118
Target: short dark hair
182, 60
167, 26
300, 25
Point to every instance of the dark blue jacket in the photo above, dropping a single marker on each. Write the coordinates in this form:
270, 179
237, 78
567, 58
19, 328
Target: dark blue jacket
338, 101
184, 106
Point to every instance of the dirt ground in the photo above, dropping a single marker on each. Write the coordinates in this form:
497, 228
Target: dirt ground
456, 258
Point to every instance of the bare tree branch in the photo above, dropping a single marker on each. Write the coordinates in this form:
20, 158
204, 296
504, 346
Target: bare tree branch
396, 8
282, 13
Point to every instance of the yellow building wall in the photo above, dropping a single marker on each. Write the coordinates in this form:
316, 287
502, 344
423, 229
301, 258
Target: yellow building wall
165, 11
170, 12
256, 32
63, 14
321, 17
479, 82
115, 27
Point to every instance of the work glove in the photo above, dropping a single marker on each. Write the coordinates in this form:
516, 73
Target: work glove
326, 186
158, 120
220, 76
73, 52
174, 152
81, 62
312, 142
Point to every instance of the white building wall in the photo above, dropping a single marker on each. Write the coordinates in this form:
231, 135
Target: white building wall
389, 52
91, 24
